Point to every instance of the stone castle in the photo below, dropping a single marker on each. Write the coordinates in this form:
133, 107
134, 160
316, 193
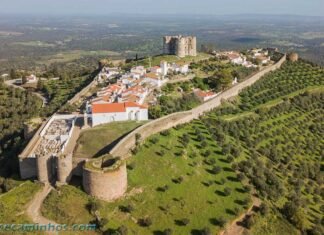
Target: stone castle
47, 157
180, 46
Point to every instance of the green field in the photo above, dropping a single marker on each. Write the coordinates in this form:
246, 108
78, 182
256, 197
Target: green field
95, 140
155, 60
14, 203
68, 56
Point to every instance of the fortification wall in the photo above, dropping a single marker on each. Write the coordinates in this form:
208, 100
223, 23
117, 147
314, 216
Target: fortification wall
124, 147
44, 168
28, 168
77, 164
106, 186
83, 92
64, 168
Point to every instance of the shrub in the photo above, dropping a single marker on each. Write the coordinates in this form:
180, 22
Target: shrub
154, 140
167, 231
145, 222
122, 230
165, 133
221, 221
227, 191
249, 222
184, 221
216, 170
126, 209
206, 231
264, 209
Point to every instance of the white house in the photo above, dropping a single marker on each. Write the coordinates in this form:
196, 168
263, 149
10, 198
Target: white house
114, 112
180, 67
139, 70
153, 79
31, 79
164, 68
204, 96
156, 69
108, 73
263, 59
236, 58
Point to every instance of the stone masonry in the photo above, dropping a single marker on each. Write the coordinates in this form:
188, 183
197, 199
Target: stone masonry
180, 46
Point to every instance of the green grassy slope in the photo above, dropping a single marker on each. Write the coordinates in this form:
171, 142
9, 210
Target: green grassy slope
94, 140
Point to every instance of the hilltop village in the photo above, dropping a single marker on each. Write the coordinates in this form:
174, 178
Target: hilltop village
126, 95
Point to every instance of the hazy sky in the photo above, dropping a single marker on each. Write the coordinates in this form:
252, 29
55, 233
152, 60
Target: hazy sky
217, 7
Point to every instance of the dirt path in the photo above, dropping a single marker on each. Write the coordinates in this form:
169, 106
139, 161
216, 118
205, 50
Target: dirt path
33, 209
235, 227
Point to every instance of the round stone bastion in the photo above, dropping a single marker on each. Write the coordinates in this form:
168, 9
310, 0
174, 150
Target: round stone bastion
293, 57
105, 178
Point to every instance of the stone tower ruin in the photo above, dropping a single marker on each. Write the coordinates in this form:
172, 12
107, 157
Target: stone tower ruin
180, 46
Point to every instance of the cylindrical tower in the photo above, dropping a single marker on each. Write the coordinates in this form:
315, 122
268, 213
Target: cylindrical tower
293, 57
181, 47
43, 168
105, 178
166, 45
193, 46
64, 168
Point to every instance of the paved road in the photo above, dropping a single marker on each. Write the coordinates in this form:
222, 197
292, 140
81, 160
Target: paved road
12, 84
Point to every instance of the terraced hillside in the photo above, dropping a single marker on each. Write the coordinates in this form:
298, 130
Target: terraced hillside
196, 178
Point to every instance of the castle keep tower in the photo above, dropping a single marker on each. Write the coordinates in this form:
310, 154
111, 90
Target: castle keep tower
180, 46
105, 177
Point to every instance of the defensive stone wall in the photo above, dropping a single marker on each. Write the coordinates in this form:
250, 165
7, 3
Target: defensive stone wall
83, 92
44, 168
124, 147
64, 168
180, 45
105, 178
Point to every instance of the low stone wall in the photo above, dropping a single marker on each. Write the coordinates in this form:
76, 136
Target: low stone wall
124, 147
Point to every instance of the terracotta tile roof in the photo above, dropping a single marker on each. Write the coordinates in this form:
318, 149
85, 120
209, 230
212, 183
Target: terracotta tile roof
151, 75
233, 56
114, 107
201, 93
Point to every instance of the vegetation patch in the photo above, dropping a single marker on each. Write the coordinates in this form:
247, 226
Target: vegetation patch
97, 141
178, 180
67, 205
14, 203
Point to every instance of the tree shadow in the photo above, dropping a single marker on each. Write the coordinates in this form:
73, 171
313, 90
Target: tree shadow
230, 212
228, 169
220, 193
158, 232
239, 202
233, 179
240, 190
195, 232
